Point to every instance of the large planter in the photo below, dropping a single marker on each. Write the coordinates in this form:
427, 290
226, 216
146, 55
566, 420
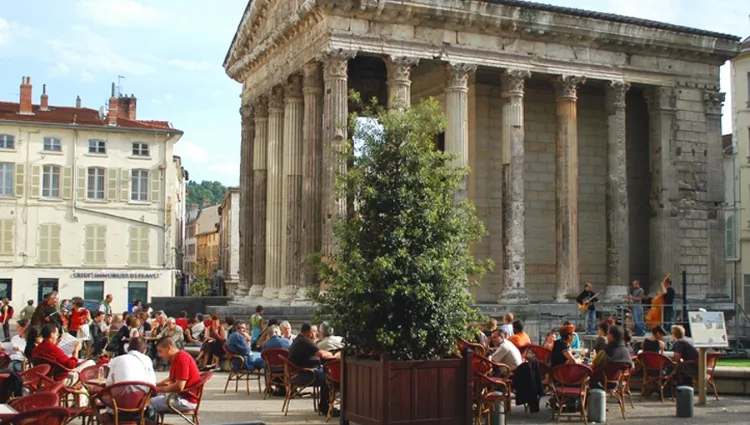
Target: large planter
433, 392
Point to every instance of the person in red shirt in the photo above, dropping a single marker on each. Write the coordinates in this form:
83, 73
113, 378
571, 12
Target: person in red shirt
47, 349
79, 317
182, 321
183, 373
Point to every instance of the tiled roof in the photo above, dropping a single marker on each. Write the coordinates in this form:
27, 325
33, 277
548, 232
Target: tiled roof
745, 46
612, 17
72, 115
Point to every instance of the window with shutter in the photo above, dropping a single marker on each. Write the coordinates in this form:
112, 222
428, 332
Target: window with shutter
139, 245
7, 170
112, 185
50, 181
124, 185
35, 176
155, 185
144, 246
95, 187
54, 244
7, 141
81, 184
20, 180
49, 244
139, 185
67, 183
6, 237
95, 244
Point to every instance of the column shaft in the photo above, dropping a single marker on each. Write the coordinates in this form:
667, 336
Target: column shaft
311, 167
618, 233
274, 225
716, 223
399, 80
259, 199
335, 111
292, 190
514, 249
245, 223
566, 196
457, 111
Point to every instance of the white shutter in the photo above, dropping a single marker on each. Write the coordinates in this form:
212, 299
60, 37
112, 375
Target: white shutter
20, 182
6, 237
112, 185
155, 180
101, 245
133, 245
36, 181
89, 244
54, 244
143, 248
124, 185
44, 232
81, 189
67, 182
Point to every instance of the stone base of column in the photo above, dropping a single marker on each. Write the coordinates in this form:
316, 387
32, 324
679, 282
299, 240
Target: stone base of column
256, 291
301, 298
614, 294
513, 296
241, 290
270, 293
288, 293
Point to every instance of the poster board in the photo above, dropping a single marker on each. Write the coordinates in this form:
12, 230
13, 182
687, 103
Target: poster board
708, 329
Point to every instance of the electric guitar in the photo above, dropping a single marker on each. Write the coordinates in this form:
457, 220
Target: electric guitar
585, 304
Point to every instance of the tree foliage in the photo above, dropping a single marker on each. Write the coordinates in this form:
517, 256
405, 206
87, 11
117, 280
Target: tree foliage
399, 283
211, 190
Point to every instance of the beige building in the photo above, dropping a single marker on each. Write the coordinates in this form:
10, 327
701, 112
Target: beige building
229, 240
207, 241
593, 139
90, 201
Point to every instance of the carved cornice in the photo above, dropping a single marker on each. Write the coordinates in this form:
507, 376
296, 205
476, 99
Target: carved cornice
336, 62
399, 68
276, 99
513, 82
714, 101
261, 108
566, 86
457, 75
616, 92
313, 80
293, 88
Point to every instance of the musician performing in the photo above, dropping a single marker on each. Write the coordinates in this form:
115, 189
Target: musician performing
586, 303
654, 315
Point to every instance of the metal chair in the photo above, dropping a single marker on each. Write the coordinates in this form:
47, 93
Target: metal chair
43, 416
238, 371
612, 376
127, 400
333, 380
658, 370
191, 416
38, 400
570, 382
274, 360
296, 388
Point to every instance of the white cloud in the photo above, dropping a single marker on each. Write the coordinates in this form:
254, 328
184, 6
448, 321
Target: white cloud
191, 152
228, 168
188, 65
117, 13
12, 32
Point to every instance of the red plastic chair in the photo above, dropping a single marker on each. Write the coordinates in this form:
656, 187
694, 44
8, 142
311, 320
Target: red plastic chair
190, 416
570, 382
239, 371
274, 360
333, 380
57, 371
45, 416
123, 398
658, 371
32, 378
34, 401
613, 379
541, 354
294, 389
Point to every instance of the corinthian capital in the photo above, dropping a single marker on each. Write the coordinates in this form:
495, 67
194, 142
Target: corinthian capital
313, 76
336, 62
566, 86
293, 87
261, 107
513, 81
616, 92
276, 99
714, 101
399, 67
247, 110
457, 75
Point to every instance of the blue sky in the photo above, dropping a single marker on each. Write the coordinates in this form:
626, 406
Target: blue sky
170, 53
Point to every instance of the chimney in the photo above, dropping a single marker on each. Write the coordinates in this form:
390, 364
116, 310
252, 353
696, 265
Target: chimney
131, 107
24, 106
112, 113
206, 202
44, 103
78, 102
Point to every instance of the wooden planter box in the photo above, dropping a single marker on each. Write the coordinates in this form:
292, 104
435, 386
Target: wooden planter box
434, 392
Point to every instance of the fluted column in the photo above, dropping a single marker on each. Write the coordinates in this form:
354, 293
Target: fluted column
716, 223
618, 236
259, 199
312, 132
245, 223
457, 110
292, 191
335, 121
274, 225
399, 80
514, 249
566, 196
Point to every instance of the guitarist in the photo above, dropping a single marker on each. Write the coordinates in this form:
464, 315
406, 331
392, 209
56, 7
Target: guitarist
587, 300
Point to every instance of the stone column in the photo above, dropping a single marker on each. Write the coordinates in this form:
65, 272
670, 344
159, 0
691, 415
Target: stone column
335, 122
618, 233
292, 190
246, 176
399, 80
457, 111
716, 223
566, 196
312, 132
274, 225
514, 250
663, 224
259, 204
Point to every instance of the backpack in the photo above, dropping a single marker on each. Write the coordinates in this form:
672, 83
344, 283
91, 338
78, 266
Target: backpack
10, 313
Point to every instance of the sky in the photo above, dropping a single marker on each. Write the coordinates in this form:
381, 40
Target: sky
170, 53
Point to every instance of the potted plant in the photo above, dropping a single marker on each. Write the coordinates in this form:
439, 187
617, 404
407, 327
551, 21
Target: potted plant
397, 289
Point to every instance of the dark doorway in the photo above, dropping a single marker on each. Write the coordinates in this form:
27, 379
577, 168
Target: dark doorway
46, 286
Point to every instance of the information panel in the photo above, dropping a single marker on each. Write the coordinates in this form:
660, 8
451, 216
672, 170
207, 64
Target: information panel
708, 329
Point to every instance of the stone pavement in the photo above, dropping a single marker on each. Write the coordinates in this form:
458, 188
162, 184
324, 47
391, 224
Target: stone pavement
235, 407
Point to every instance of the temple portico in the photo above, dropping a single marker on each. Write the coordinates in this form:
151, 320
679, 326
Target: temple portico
589, 138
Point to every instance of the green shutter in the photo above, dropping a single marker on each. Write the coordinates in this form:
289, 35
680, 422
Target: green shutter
67, 182
155, 180
112, 185
20, 182
124, 185
101, 245
81, 189
36, 180
6, 237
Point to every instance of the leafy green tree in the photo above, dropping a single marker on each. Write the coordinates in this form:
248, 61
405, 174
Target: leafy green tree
212, 190
400, 281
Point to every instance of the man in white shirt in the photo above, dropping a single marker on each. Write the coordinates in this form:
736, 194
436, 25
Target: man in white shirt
329, 341
506, 352
133, 366
14, 348
286, 331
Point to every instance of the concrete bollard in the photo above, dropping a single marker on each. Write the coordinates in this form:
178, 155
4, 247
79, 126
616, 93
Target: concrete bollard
497, 415
597, 406
684, 402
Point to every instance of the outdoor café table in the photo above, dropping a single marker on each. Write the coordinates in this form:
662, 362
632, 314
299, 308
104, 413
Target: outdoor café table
7, 412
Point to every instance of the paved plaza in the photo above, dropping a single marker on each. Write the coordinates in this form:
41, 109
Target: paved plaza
236, 407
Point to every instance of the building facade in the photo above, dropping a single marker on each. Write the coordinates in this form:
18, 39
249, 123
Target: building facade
229, 240
593, 140
740, 230
207, 241
89, 201
191, 247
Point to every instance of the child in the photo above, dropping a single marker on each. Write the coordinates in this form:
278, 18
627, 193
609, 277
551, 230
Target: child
508, 323
256, 321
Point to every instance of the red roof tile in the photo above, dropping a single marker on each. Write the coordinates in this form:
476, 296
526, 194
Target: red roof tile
72, 115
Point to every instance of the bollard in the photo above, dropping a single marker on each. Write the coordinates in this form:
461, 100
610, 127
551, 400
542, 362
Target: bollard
684, 402
596, 406
497, 415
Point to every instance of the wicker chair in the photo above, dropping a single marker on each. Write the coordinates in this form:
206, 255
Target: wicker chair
238, 371
295, 388
274, 360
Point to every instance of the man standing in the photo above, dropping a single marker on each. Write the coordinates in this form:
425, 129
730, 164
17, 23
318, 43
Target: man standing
587, 299
636, 306
668, 303
183, 373
106, 305
47, 312
27, 311
6, 312
304, 353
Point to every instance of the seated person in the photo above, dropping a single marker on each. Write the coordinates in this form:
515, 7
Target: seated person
98, 336
508, 324
304, 353
626, 339
329, 341
237, 343
519, 338
505, 351
183, 373
614, 350
561, 353
48, 349
601, 341
14, 349
276, 340
684, 351
576, 344
133, 366
194, 332
655, 343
